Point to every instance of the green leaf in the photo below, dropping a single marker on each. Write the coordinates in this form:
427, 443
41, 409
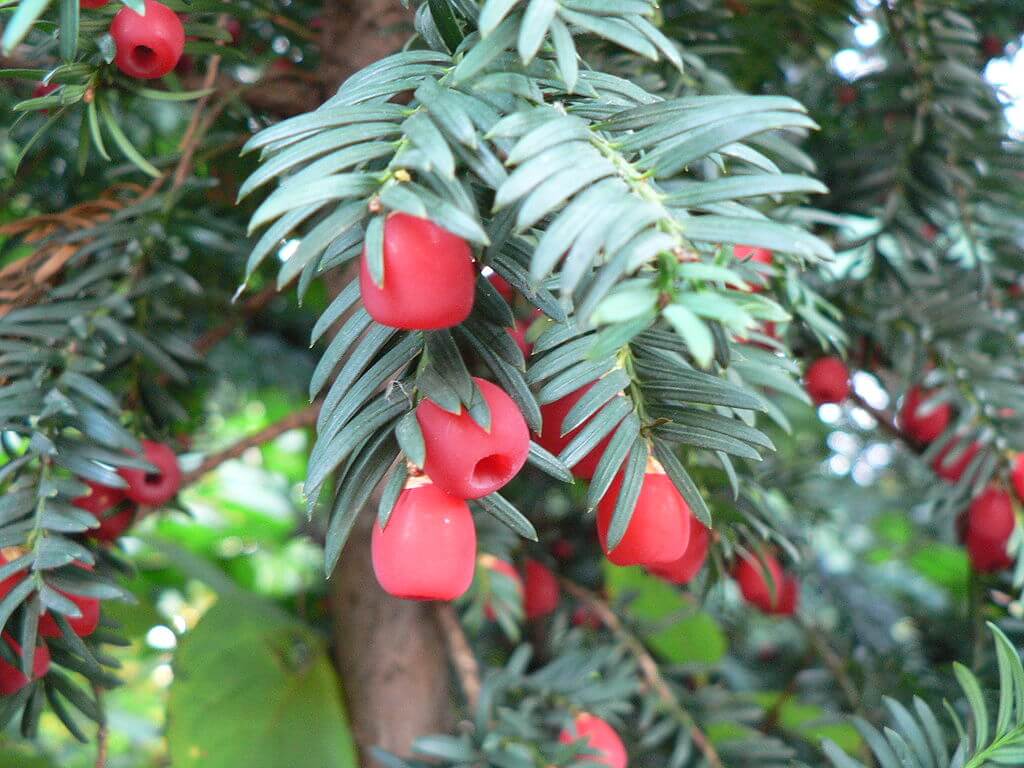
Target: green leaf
766, 234
1011, 682
548, 463
612, 458
410, 439
976, 699
122, 141
281, 699
693, 637
500, 508
26, 13
486, 51
69, 12
445, 22
737, 187
694, 332
565, 54
615, 30
492, 14
681, 479
629, 492
534, 26
392, 490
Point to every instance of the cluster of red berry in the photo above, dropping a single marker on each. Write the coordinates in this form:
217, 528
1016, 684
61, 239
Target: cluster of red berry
115, 509
428, 283
989, 521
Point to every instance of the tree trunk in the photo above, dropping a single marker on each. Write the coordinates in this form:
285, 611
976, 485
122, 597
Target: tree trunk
389, 653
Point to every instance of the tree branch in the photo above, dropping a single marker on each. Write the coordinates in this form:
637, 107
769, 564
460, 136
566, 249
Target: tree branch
648, 666
834, 662
252, 306
886, 421
459, 651
101, 731
304, 418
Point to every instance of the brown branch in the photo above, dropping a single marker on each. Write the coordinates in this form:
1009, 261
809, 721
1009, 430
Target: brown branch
193, 134
304, 418
885, 421
834, 662
217, 334
461, 655
648, 666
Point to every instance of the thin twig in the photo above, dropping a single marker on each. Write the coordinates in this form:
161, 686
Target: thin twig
101, 732
648, 667
218, 333
192, 136
304, 418
835, 663
885, 421
461, 655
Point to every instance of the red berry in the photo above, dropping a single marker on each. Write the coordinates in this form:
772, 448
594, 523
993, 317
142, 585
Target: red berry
507, 571
827, 380
541, 591
929, 231
750, 575
428, 550
113, 526
683, 570
465, 460
84, 625
923, 427
758, 255
990, 523
563, 549
993, 46
147, 46
659, 530
153, 489
1017, 476
586, 617
952, 471
428, 276
92, 3
846, 95
102, 501
11, 581
12, 679
234, 28
44, 89
501, 285
552, 439
598, 736
789, 596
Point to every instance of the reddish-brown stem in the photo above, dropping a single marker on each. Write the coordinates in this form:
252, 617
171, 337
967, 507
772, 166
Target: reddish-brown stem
885, 421
648, 666
459, 651
304, 418
253, 305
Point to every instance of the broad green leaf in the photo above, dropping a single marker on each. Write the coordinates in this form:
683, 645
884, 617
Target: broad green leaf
280, 700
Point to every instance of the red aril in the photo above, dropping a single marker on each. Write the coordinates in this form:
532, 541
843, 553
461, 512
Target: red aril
428, 549
465, 460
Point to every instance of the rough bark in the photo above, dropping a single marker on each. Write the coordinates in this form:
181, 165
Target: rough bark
389, 653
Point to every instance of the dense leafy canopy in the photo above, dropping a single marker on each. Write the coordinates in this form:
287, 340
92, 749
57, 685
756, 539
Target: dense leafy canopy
614, 163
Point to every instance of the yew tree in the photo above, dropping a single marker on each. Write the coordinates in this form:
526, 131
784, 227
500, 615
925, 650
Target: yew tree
514, 383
